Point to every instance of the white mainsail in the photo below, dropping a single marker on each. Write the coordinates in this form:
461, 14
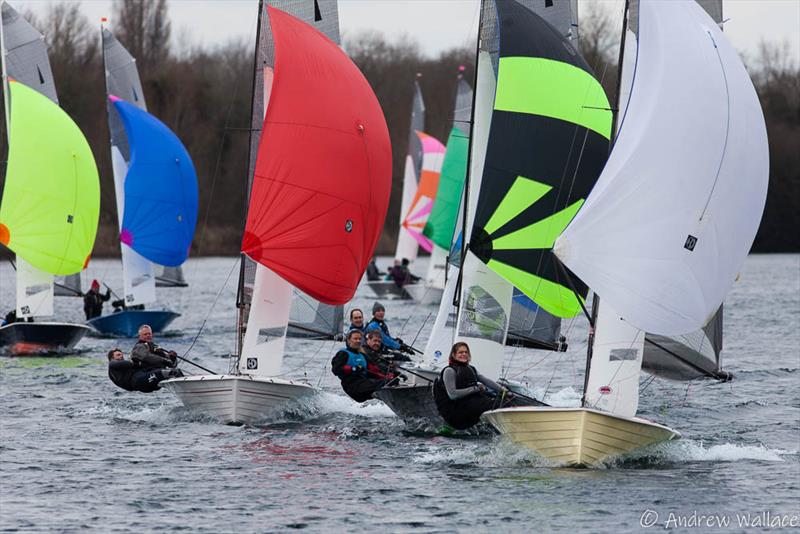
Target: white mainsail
407, 246
663, 237
122, 81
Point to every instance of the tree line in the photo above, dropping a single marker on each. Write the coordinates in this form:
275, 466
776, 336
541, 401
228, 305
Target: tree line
203, 94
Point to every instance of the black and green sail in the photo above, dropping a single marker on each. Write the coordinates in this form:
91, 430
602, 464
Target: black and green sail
548, 143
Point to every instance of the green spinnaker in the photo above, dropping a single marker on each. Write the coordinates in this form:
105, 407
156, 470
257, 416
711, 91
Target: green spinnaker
51, 198
442, 220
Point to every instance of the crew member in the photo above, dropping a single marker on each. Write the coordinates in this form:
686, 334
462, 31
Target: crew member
462, 394
129, 376
93, 301
359, 379
377, 323
148, 355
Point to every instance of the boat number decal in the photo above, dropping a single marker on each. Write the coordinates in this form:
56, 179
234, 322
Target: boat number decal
69, 219
129, 297
348, 226
25, 310
252, 363
691, 241
604, 390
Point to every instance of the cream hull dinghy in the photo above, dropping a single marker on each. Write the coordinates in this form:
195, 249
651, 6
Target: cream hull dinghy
237, 399
577, 436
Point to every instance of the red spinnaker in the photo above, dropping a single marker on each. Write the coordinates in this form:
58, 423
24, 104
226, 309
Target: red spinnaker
324, 167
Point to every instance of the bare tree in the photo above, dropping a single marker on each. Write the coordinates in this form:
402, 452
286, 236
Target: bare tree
144, 27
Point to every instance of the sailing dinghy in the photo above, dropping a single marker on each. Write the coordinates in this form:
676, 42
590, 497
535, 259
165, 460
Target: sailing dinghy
664, 232
51, 196
489, 312
156, 193
321, 178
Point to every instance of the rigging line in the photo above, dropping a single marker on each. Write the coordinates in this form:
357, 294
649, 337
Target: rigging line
420, 328
305, 363
211, 309
214, 177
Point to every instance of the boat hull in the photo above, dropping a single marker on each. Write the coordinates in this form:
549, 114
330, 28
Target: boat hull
24, 338
413, 404
425, 295
388, 290
236, 399
576, 436
126, 323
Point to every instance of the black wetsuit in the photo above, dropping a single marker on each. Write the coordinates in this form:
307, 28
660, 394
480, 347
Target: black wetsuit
463, 412
131, 377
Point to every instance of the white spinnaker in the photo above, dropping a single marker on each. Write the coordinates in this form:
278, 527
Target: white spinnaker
265, 337
407, 246
613, 384
34, 291
485, 303
689, 170
138, 278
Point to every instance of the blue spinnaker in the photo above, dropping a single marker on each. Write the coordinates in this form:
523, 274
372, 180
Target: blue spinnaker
160, 189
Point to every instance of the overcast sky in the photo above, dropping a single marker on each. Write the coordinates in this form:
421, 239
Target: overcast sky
436, 24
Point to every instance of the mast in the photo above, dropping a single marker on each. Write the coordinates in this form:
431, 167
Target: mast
457, 294
5, 72
240, 301
614, 119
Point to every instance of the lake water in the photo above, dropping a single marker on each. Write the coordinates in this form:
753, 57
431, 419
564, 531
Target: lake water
78, 454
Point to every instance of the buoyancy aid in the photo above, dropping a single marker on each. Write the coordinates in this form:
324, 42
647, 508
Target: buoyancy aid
466, 411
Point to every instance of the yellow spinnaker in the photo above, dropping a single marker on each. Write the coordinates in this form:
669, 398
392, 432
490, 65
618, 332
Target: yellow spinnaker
51, 199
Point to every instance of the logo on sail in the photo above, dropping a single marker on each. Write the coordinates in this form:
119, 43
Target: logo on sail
691, 241
252, 363
604, 390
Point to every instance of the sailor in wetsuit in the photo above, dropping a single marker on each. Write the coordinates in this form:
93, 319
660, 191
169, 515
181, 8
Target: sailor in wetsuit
360, 375
129, 376
462, 394
148, 355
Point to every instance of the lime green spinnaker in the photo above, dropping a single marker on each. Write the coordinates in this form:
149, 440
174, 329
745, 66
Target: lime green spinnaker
51, 199
442, 220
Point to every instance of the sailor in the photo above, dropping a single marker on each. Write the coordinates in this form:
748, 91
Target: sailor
373, 273
148, 355
377, 323
93, 301
357, 320
379, 360
401, 274
462, 394
129, 376
359, 379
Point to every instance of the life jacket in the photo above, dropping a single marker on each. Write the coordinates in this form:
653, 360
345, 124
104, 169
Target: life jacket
381, 324
354, 359
466, 411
